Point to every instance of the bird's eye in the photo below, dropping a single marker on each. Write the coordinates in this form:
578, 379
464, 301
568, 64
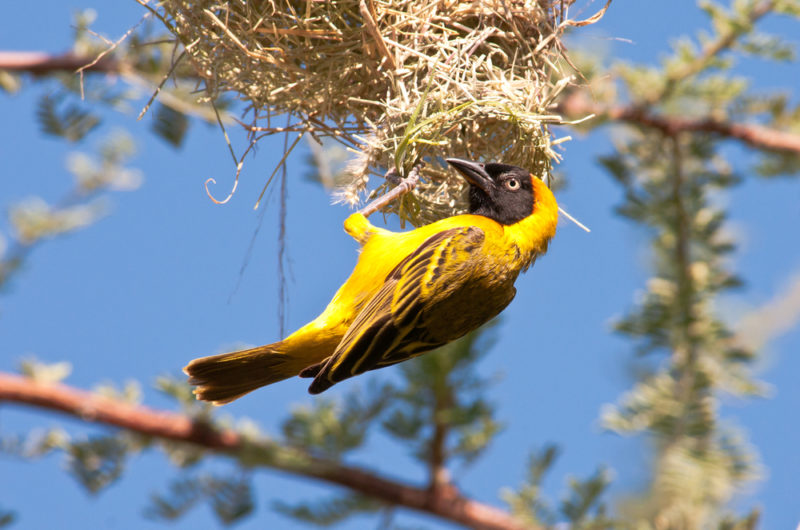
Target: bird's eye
512, 184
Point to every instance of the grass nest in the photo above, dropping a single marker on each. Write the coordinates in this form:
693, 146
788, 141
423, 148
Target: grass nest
398, 82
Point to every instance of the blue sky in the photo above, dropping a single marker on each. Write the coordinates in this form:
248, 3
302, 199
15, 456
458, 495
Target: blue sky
152, 285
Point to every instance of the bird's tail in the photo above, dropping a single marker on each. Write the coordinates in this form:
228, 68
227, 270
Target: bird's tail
223, 378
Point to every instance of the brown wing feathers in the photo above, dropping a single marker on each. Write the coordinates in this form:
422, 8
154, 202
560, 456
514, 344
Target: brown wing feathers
388, 329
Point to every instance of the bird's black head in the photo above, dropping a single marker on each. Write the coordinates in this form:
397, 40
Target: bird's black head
497, 191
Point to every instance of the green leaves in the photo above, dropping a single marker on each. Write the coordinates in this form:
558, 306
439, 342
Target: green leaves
678, 404
327, 512
170, 125
230, 497
34, 220
769, 47
46, 373
68, 121
581, 506
180, 390
183, 495
672, 180
330, 429
583, 498
7, 518
527, 502
97, 462
442, 391
788, 7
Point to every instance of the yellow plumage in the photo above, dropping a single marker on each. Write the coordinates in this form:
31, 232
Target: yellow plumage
410, 292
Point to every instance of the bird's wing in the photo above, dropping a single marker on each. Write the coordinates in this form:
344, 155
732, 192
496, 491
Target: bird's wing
392, 325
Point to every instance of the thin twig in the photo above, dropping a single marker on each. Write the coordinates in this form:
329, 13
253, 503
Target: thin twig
235, 39
283, 297
404, 186
279, 166
108, 50
591, 20
239, 163
372, 28
568, 216
161, 84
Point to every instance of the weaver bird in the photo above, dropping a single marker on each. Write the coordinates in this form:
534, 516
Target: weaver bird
409, 293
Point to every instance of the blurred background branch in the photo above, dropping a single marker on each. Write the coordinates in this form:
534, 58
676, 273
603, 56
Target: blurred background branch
578, 104
42, 63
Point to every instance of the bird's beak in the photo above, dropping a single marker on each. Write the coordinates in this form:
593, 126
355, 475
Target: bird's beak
474, 172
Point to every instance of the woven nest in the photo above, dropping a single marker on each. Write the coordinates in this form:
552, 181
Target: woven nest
398, 82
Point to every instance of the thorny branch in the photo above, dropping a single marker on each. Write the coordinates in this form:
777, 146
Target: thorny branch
447, 504
756, 136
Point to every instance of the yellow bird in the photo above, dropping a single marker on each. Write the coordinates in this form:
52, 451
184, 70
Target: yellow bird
409, 293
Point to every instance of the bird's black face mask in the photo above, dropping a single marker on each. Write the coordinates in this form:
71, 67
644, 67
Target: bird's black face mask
500, 192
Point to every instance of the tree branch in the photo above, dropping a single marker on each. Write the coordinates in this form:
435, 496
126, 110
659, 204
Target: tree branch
404, 186
439, 477
449, 504
758, 136
684, 343
41, 63
724, 41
